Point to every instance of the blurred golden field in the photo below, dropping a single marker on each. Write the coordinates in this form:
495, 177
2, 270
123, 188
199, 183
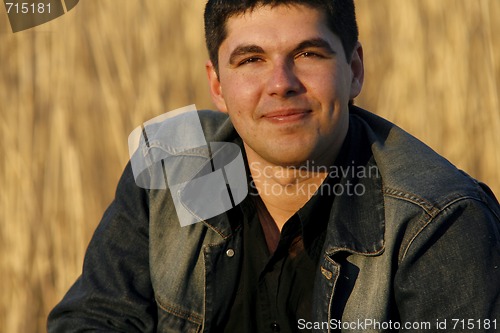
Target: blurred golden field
73, 89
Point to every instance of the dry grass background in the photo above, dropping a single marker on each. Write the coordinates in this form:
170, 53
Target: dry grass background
73, 89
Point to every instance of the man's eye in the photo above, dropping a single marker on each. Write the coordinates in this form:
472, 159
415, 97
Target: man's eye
309, 55
249, 61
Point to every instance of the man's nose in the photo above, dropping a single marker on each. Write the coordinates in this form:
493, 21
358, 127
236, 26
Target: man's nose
283, 82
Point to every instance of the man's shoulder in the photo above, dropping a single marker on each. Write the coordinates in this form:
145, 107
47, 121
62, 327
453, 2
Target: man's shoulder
188, 127
410, 168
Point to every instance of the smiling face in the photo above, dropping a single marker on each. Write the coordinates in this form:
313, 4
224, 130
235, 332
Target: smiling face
284, 81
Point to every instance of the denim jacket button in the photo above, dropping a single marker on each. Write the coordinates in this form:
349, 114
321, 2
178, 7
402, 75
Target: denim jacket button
326, 273
230, 253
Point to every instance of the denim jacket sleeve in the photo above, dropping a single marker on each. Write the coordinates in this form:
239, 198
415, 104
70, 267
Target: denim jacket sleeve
449, 274
114, 292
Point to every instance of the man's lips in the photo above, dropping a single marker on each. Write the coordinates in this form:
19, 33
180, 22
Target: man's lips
287, 114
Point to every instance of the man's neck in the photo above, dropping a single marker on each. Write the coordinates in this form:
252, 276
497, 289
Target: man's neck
284, 190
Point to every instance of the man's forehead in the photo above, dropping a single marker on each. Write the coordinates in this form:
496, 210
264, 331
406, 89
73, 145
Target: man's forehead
262, 11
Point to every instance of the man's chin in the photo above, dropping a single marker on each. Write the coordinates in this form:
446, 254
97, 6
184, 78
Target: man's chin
291, 154
291, 161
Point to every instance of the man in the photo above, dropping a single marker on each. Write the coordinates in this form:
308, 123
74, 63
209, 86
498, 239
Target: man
351, 223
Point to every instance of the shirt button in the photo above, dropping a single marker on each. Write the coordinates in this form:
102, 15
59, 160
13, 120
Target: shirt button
230, 253
275, 327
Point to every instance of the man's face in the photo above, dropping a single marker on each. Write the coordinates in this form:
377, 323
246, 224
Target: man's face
285, 83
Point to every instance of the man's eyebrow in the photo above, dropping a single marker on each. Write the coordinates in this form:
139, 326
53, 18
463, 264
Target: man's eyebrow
255, 49
314, 43
243, 50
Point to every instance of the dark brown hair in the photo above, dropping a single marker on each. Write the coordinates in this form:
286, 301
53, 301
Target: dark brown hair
340, 15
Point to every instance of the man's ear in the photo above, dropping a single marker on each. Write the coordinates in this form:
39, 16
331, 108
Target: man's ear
358, 71
215, 87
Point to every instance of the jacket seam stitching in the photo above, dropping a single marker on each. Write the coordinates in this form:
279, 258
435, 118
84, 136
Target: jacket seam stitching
429, 208
433, 217
337, 267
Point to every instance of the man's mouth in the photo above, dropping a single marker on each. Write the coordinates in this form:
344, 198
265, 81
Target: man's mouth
287, 115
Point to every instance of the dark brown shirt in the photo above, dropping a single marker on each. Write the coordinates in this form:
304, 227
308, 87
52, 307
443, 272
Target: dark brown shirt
277, 277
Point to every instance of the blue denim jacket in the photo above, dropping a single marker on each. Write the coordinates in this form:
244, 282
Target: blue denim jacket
418, 251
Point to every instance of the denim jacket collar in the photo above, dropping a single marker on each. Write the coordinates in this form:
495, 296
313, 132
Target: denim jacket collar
360, 229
